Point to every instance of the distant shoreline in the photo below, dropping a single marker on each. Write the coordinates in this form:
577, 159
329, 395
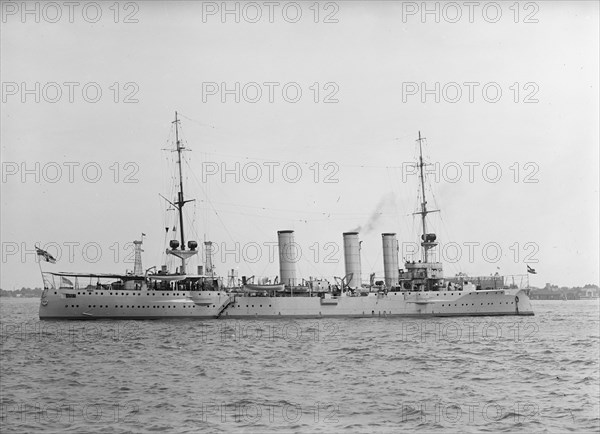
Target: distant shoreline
21, 293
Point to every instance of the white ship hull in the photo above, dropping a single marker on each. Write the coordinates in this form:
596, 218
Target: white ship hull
80, 305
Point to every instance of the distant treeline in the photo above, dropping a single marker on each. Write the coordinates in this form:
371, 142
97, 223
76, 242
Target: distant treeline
553, 292
23, 292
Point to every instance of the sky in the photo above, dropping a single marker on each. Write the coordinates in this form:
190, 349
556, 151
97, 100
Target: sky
301, 117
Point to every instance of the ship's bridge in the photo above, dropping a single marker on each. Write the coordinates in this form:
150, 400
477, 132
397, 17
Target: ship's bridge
423, 270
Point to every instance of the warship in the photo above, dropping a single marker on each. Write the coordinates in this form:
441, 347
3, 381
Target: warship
419, 289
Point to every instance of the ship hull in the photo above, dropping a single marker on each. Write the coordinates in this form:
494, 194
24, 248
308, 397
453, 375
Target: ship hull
82, 305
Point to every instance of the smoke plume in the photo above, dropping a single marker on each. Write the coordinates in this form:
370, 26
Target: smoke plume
387, 201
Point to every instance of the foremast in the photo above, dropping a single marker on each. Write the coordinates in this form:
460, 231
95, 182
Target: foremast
425, 275
427, 240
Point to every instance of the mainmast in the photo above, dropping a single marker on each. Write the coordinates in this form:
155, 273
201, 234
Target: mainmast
180, 202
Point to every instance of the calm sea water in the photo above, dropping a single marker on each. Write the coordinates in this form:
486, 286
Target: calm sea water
349, 375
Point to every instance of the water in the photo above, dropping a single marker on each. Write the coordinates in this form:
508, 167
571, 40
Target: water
356, 375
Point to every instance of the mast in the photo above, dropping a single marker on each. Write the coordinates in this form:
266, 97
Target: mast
180, 201
427, 240
424, 203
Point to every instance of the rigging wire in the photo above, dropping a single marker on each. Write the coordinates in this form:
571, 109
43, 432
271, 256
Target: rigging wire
216, 213
275, 160
391, 172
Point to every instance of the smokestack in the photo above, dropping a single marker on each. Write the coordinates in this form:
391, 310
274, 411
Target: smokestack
390, 259
288, 255
208, 266
352, 258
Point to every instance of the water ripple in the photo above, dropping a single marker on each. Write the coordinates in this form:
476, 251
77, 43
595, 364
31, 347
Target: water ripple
369, 375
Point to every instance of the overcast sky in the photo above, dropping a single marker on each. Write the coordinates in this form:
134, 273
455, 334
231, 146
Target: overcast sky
367, 74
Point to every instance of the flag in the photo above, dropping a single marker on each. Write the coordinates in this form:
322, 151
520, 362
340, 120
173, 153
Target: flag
45, 255
64, 282
531, 270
